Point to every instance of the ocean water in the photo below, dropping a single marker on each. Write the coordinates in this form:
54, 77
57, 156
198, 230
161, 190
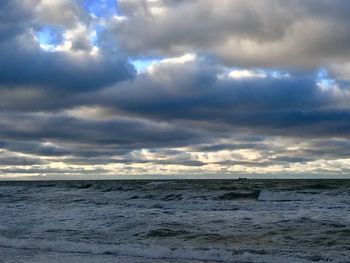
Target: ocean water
175, 221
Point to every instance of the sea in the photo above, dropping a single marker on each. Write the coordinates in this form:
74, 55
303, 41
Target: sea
175, 221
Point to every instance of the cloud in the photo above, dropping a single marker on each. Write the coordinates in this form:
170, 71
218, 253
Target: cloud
267, 33
116, 133
195, 92
236, 87
19, 161
24, 63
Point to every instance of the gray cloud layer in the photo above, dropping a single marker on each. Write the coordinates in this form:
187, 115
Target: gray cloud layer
77, 110
269, 33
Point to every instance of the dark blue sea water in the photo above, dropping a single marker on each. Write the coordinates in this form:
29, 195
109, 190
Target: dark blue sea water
175, 221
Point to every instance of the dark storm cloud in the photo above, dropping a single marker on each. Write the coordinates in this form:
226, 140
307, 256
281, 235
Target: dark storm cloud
229, 146
82, 150
329, 149
24, 63
192, 93
34, 147
125, 133
33, 79
19, 161
185, 105
103, 161
58, 72
12, 19
51, 171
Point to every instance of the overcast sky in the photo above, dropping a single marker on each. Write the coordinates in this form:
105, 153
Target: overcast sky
174, 88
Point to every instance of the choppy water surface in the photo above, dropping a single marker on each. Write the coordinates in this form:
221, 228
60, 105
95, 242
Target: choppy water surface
175, 221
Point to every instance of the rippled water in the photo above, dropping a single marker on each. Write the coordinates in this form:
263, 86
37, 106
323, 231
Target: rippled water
175, 221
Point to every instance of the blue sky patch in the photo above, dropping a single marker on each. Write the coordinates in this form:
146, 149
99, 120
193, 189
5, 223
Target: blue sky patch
102, 8
142, 64
49, 36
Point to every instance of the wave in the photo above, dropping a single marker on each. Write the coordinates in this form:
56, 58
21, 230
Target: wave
150, 253
236, 195
131, 250
285, 196
165, 232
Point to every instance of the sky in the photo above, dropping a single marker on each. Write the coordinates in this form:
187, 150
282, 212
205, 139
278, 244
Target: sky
100, 89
